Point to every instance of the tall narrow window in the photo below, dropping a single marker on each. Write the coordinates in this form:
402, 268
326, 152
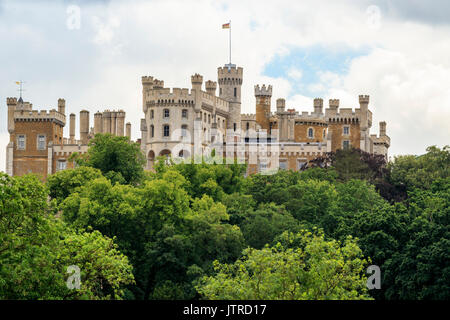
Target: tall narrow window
41, 142
21, 142
248, 125
152, 131
346, 144
166, 131
209, 118
166, 113
310, 133
346, 131
152, 114
184, 113
235, 92
234, 126
184, 130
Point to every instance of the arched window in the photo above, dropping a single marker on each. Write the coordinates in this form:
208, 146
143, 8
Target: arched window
152, 114
166, 130
310, 133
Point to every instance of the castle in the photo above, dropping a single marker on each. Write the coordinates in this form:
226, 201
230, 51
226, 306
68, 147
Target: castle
173, 117
36, 143
183, 123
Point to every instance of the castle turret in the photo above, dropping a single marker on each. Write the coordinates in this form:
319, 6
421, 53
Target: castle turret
263, 97
12, 104
62, 106
197, 81
72, 128
318, 105
98, 124
113, 123
106, 121
211, 87
382, 128
281, 104
120, 122
334, 104
129, 130
230, 83
84, 126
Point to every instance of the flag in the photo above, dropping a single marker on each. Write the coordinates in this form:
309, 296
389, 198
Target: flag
17, 82
226, 26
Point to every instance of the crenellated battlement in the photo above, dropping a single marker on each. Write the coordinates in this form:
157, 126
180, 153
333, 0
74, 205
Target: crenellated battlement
233, 71
147, 80
35, 115
11, 101
333, 103
364, 99
248, 117
318, 102
196, 79
263, 91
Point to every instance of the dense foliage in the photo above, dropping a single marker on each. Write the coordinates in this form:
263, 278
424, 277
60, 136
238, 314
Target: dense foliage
205, 231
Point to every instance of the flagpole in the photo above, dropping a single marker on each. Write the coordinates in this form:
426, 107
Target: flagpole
230, 42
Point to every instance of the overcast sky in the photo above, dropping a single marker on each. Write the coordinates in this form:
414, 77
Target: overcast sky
398, 52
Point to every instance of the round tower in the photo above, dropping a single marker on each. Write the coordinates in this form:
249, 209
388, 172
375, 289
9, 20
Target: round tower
84, 126
263, 97
230, 83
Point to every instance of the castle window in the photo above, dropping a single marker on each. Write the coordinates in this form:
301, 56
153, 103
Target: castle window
152, 114
283, 164
310, 133
166, 113
248, 126
166, 130
21, 142
234, 126
184, 130
184, 113
346, 131
209, 118
41, 142
324, 133
220, 91
235, 92
62, 165
346, 144
152, 131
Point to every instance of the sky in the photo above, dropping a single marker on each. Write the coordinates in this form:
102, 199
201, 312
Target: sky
93, 54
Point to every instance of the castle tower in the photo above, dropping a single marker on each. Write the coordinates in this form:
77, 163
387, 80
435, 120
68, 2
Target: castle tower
72, 128
120, 122
12, 104
382, 128
263, 97
114, 123
364, 124
211, 87
98, 123
129, 130
230, 83
197, 81
84, 126
318, 106
281, 104
62, 106
334, 104
106, 121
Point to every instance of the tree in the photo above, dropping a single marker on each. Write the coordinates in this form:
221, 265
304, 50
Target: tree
316, 269
62, 183
116, 157
261, 226
37, 248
